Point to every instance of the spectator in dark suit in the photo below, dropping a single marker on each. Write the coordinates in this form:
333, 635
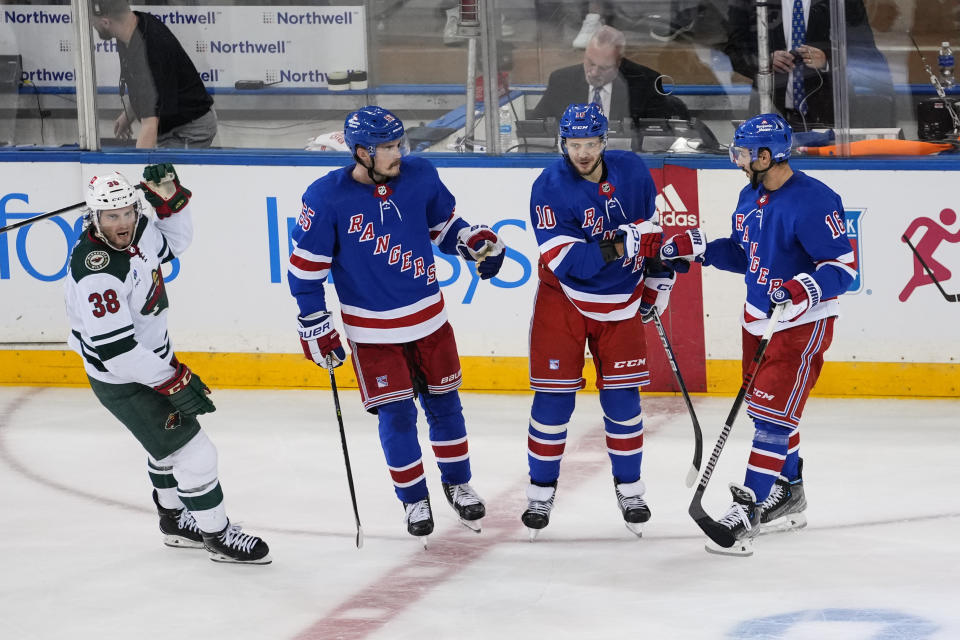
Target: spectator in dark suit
871, 105
622, 87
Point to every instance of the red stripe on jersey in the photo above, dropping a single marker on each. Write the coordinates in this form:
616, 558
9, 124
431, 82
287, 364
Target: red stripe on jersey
761, 461
393, 323
545, 450
307, 265
794, 441
550, 254
607, 307
407, 475
625, 444
450, 450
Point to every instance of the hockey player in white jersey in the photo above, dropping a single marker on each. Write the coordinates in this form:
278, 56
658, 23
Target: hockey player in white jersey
117, 307
591, 212
373, 226
789, 240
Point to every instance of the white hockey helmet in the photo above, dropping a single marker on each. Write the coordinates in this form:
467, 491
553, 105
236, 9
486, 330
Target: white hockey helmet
111, 191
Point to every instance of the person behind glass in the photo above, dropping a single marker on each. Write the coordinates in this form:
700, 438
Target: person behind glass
789, 241
166, 92
623, 88
591, 212
117, 307
799, 36
373, 226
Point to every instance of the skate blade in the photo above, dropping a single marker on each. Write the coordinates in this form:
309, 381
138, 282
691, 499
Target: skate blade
473, 525
425, 541
789, 522
533, 533
180, 542
636, 528
742, 548
219, 557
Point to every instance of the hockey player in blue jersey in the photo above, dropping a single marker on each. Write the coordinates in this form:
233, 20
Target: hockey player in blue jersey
371, 225
591, 211
789, 240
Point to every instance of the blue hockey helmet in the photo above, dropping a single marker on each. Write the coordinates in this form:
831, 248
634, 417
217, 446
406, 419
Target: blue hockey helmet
766, 131
372, 125
582, 121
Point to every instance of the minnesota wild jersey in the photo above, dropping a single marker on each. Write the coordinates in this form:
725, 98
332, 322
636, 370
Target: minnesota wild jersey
117, 304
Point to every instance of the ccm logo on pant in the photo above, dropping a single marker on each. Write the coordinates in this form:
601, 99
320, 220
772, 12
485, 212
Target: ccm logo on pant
637, 362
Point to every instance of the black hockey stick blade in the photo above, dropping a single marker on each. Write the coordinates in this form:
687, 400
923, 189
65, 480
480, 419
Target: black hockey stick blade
950, 297
42, 216
714, 530
346, 453
697, 432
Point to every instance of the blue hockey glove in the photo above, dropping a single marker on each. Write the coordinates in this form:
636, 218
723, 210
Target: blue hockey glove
800, 294
482, 245
640, 239
319, 339
689, 246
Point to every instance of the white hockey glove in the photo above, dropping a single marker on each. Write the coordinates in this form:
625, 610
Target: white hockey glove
319, 339
657, 286
640, 239
688, 246
481, 244
800, 294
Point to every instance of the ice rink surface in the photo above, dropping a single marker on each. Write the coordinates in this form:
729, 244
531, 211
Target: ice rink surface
82, 556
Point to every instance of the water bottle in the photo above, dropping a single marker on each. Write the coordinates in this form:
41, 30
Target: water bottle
945, 59
508, 129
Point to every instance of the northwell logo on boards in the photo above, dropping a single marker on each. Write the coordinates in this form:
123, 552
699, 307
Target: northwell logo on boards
242, 46
37, 17
309, 17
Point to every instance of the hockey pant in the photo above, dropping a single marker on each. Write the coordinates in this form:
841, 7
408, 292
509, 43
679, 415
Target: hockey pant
775, 452
188, 478
448, 436
547, 434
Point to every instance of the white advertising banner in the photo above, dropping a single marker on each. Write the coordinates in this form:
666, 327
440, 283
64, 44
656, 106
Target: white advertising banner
294, 47
228, 292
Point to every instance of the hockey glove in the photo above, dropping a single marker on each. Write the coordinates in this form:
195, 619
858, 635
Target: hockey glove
657, 285
640, 239
319, 339
801, 293
163, 190
684, 247
481, 244
186, 391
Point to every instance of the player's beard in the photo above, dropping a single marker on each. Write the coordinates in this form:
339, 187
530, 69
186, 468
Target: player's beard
756, 176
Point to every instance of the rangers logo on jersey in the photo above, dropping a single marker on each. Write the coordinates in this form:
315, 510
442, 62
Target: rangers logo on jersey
96, 260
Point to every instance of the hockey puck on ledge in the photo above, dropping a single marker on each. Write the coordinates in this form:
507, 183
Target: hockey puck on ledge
338, 81
358, 80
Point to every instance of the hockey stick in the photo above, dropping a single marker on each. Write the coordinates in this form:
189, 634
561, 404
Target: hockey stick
697, 434
50, 214
714, 530
950, 297
346, 454
42, 216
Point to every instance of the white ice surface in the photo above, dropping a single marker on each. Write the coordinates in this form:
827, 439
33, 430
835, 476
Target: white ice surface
82, 557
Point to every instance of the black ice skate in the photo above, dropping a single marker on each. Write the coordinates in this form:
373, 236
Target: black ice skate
539, 506
178, 527
632, 505
468, 505
232, 545
783, 508
419, 519
741, 520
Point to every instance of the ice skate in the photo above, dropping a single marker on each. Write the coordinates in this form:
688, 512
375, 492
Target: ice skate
419, 519
783, 508
539, 506
232, 545
468, 505
741, 520
632, 505
591, 22
178, 527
